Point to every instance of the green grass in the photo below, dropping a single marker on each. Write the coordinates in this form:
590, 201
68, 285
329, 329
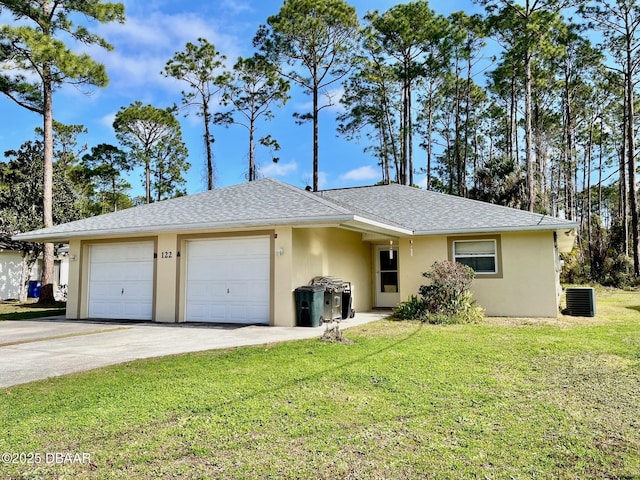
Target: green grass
509, 398
24, 311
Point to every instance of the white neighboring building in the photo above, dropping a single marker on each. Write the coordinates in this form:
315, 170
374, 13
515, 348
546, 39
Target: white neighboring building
11, 268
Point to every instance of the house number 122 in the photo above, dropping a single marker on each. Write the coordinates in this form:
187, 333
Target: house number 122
166, 254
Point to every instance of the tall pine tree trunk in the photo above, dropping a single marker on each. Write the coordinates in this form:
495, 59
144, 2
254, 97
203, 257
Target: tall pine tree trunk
409, 136
316, 120
631, 162
429, 145
528, 133
622, 184
46, 291
207, 143
252, 151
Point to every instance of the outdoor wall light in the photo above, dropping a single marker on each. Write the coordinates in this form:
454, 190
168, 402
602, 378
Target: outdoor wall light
73, 258
279, 251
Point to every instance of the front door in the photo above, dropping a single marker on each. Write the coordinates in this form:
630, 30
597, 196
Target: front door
387, 287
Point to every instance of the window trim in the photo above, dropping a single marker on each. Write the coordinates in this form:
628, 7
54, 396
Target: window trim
471, 238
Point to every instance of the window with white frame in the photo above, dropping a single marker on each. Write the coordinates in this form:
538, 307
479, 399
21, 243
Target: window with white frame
481, 255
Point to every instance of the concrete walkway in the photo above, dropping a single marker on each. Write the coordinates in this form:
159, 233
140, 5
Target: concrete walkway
36, 349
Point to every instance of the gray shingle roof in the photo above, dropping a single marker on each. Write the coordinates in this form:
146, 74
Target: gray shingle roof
427, 212
271, 202
265, 202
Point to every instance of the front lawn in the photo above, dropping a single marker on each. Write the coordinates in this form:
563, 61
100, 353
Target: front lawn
504, 399
10, 310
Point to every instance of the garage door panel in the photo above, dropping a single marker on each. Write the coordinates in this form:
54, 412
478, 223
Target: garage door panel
114, 310
198, 312
121, 281
101, 309
254, 311
231, 276
206, 313
200, 291
237, 312
134, 310
142, 272
259, 291
124, 252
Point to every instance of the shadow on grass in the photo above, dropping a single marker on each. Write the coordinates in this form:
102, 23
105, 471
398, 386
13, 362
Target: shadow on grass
636, 308
254, 394
17, 311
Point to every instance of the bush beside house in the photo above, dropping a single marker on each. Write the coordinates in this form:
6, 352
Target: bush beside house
446, 299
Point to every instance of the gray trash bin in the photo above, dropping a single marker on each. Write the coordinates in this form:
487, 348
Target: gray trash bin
332, 304
309, 305
337, 298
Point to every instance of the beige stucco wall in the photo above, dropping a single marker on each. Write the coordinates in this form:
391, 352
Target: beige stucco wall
335, 252
166, 279
282, 304
73, 288
526, 288
426, 251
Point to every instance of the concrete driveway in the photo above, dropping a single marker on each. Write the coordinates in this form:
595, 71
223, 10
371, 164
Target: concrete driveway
36, 349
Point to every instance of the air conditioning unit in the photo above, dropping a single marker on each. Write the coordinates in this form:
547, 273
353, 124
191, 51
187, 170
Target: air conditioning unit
581, 301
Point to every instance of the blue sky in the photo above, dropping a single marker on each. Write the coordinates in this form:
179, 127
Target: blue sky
154, 31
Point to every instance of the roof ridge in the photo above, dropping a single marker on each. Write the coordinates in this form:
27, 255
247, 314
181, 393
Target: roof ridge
362, 212
482, 202
449, 196
313, 196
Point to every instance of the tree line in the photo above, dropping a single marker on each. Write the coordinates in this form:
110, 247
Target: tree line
530, 105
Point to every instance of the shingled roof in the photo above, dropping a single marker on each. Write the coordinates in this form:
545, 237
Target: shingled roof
391, 209
426, 212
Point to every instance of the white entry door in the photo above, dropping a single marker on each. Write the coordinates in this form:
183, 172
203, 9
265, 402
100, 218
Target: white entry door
227, 280
387, 286
121, 281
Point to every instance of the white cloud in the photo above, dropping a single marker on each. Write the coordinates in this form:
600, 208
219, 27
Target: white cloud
143, 45
363, 173
279, 169
323, 180
329, 100
423, 183
236, 6
107, 120
334, 96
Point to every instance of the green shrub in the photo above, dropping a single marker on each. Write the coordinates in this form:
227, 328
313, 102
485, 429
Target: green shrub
448, 291
473, 314
618, 272
446, 299
413, 309
575, 270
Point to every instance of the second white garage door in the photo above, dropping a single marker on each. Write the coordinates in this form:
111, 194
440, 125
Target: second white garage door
227, 280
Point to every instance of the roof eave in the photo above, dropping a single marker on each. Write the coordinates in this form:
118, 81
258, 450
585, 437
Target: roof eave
380, 226
64, 237
341, 219
527, 228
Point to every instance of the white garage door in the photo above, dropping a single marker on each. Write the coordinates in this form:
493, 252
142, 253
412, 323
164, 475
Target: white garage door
228, 280
121, 281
